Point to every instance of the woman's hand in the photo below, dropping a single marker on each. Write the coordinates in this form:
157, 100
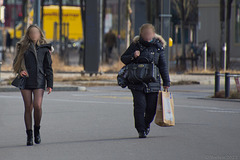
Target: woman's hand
49, 89
136, 54
165, 88
23, 73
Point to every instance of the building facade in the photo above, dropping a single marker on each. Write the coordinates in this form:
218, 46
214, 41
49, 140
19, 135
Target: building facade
209, 26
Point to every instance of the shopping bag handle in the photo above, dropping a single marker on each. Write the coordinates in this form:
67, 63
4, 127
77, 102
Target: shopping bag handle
165, 90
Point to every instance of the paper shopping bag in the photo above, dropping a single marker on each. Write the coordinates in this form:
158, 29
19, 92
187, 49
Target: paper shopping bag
165, 110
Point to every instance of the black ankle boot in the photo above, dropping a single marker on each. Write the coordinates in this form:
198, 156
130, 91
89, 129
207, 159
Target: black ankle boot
29, 137
37, 137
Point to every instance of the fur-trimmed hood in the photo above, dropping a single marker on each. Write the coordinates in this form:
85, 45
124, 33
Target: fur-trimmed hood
157, 36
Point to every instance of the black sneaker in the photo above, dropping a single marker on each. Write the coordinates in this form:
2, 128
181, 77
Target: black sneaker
147, 129
142, 134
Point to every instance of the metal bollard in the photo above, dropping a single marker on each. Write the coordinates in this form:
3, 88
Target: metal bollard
0, 71
205, 57
217, 83
224, 56
227, 85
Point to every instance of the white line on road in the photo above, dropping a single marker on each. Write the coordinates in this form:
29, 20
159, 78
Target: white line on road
17, 97
100, 94
93, 102
206, 108
224, 111
196, 107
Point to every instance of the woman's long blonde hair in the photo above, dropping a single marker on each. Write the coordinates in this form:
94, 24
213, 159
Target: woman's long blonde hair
23, 45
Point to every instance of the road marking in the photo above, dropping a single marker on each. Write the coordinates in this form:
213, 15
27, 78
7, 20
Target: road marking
192, 91
224, 111
100, 94
205, 108
114, 97
17, 97
211, 109
193, 106
69, 100
93, 102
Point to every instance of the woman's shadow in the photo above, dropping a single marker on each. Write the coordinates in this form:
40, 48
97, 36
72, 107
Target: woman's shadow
83, 141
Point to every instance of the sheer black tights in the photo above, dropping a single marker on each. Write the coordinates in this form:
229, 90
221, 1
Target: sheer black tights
31, 103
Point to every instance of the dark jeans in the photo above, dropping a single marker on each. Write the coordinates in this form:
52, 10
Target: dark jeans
144, 108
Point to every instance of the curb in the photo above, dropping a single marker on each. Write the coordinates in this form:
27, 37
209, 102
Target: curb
217, 99
57, 88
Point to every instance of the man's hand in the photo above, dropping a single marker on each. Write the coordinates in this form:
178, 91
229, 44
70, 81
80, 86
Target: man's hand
23, 73
49, 89
136, 54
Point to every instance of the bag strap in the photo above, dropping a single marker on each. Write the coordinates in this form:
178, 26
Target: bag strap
140, 46
158, 48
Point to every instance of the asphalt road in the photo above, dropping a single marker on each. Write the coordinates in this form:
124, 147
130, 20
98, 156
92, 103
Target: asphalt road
98, 125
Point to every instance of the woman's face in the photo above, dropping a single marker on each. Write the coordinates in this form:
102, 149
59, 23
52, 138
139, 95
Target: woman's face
148, 34
34, 34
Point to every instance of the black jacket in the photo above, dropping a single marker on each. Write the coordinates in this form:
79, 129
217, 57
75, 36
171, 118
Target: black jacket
38, 63
150, 51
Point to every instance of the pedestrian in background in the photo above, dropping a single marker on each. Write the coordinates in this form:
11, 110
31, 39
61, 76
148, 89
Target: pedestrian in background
110, 41
145, 96
8, 42
33, 61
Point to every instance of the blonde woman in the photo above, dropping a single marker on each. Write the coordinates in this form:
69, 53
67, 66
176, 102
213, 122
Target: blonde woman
33, 61
146, 48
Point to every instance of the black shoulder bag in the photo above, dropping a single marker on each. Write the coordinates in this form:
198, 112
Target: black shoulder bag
146, 72
19, 82
137, 73
122, 77
143, 72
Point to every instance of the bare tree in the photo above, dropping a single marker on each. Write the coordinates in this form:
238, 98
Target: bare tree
24, 11
28, 12
60, 29
42, 15
128, 14
103, 26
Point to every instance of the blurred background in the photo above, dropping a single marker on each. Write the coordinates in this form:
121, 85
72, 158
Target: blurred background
89, 37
